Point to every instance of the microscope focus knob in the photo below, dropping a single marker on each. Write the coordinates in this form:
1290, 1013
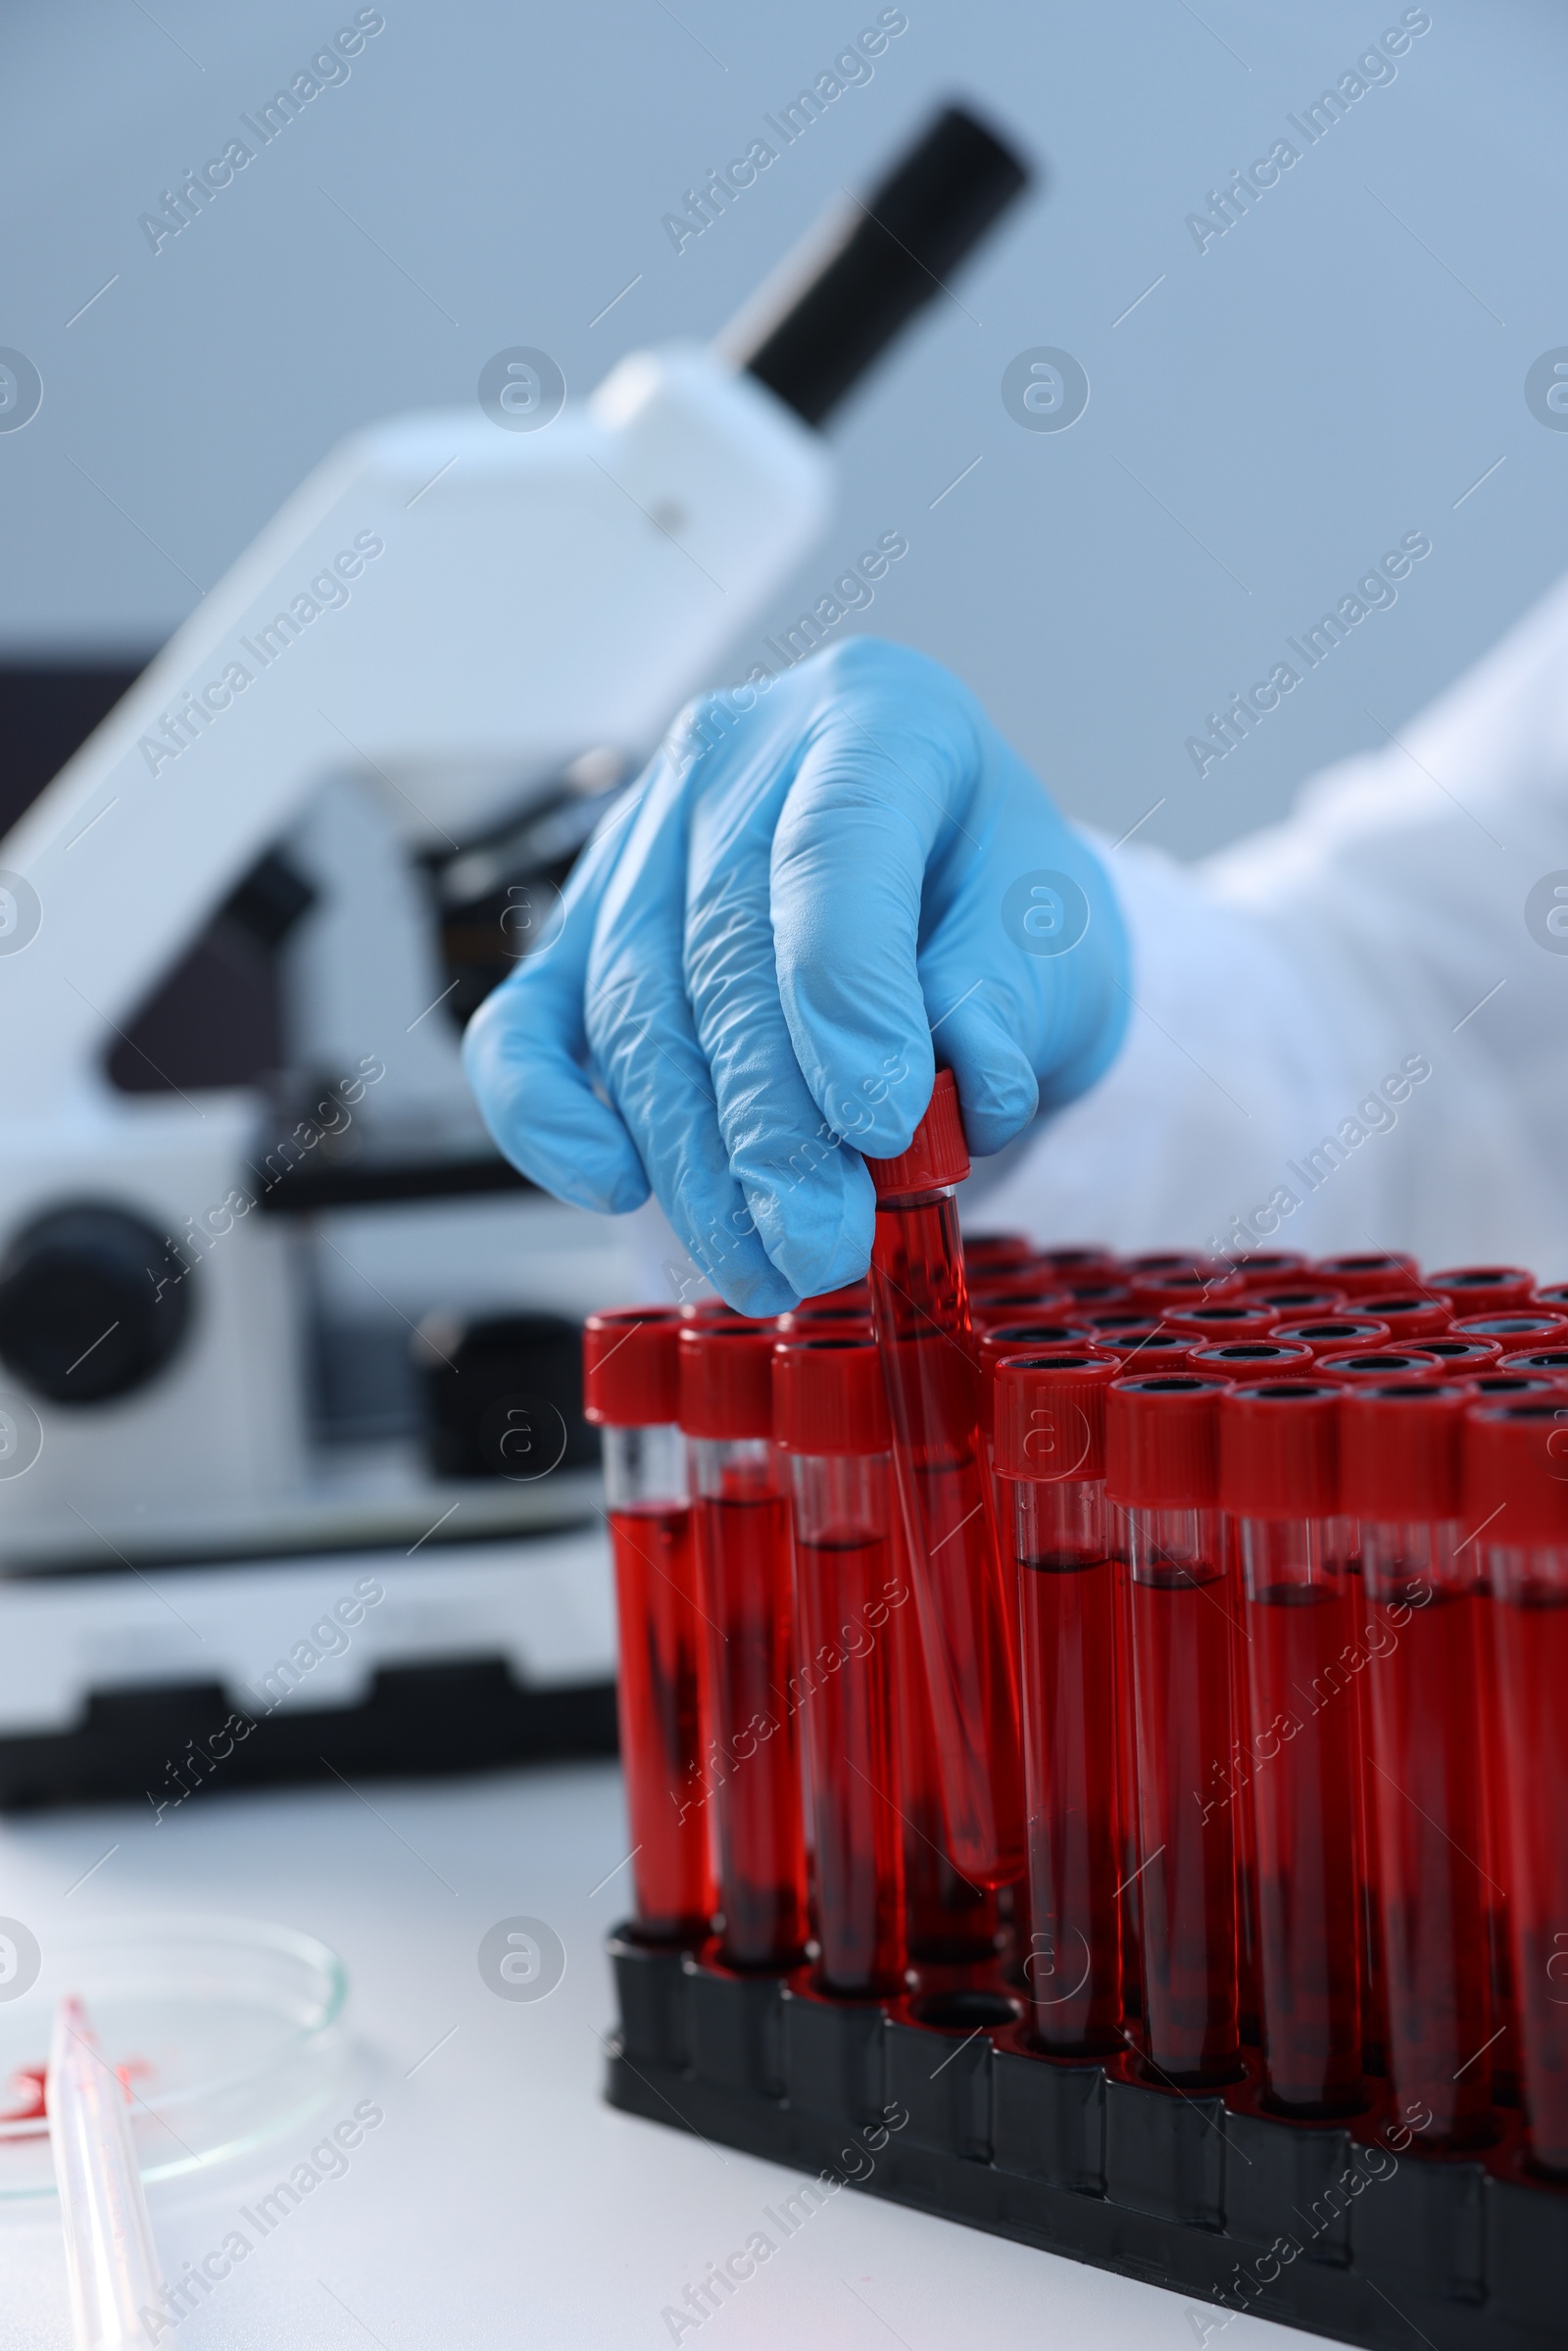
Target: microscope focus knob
93, 1303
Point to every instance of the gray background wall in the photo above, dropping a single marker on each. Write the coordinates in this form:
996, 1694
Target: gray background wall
1338, 369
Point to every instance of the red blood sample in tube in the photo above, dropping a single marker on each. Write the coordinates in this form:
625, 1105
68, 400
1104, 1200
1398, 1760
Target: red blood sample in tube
629, 1391
1399, 1473
1482, 1289
1335, 1334
1050, 1459
1278, 1478
830, 1420
726, 1409
1161, 1469
1412, 1318
920, 1312
801, 1321
1516, 1483
950, 1921
1363, 1275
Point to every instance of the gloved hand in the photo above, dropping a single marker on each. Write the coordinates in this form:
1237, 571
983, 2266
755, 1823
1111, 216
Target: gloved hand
819, 886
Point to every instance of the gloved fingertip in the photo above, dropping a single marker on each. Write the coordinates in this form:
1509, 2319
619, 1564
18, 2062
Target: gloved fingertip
998, 1089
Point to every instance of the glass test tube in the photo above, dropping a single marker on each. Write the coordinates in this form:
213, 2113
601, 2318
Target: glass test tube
920, 1313
1423, 1717
1279, 1483
726, 1409
1049, 1425
1516, 1480
830, 1421
629, 1391
1161, 1470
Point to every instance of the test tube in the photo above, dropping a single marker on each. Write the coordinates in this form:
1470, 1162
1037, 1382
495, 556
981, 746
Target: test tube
995, 1252
1482, 1289
830, 1421
1529, 1327
1272, 1358
1380, 1363
1050, 1458
1399, 1473
726, 1409
1295, 1301
1335, 1334
1412, 1318
1271, 1269
920, 1313
1462, 1358
1364, 1273
1227, 1320
1160, 1467
1549, 1362
1279, 1483
1516, 1501
629, 1392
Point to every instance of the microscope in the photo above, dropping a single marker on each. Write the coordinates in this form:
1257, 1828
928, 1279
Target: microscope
293, 1471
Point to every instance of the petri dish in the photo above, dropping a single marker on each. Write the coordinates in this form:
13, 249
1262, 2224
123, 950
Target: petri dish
227, 2031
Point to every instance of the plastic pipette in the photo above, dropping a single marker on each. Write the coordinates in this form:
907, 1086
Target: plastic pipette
109, 2255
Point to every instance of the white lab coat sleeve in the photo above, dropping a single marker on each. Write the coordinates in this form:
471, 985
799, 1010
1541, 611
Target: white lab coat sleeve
1348, 1031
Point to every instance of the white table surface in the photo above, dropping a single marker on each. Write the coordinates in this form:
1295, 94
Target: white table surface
502, 2203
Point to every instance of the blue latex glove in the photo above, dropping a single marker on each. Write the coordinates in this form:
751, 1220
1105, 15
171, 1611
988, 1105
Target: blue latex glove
817, 888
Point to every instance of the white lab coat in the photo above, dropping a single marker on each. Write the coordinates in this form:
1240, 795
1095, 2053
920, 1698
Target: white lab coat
1288, 992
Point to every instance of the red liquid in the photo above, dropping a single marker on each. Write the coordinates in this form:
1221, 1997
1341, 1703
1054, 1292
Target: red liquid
1306, 1823
848, 1741
1187, 1885
948, 1922
1236, 1792
659, 1700
1132, 1931
1532, 1662
1429, 1805
1374, 1975
754, 1764
1075, 1853
921, 1317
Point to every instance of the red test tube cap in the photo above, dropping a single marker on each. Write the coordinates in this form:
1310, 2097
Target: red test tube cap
1230, 1318
1519, 1332
1279, 1446
1476, 1289
997, 1253
1462, 1358
1399, 1449
1516, 1470
1551, 1362
1271, 1359
1050, 1416
1024, 1336
1271, 1269
828, 1397
1364, 1273
1383, 1363
1161, 1441
938, 1155
629, 1378
726, 1385
1408, 1313
1335, 1334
